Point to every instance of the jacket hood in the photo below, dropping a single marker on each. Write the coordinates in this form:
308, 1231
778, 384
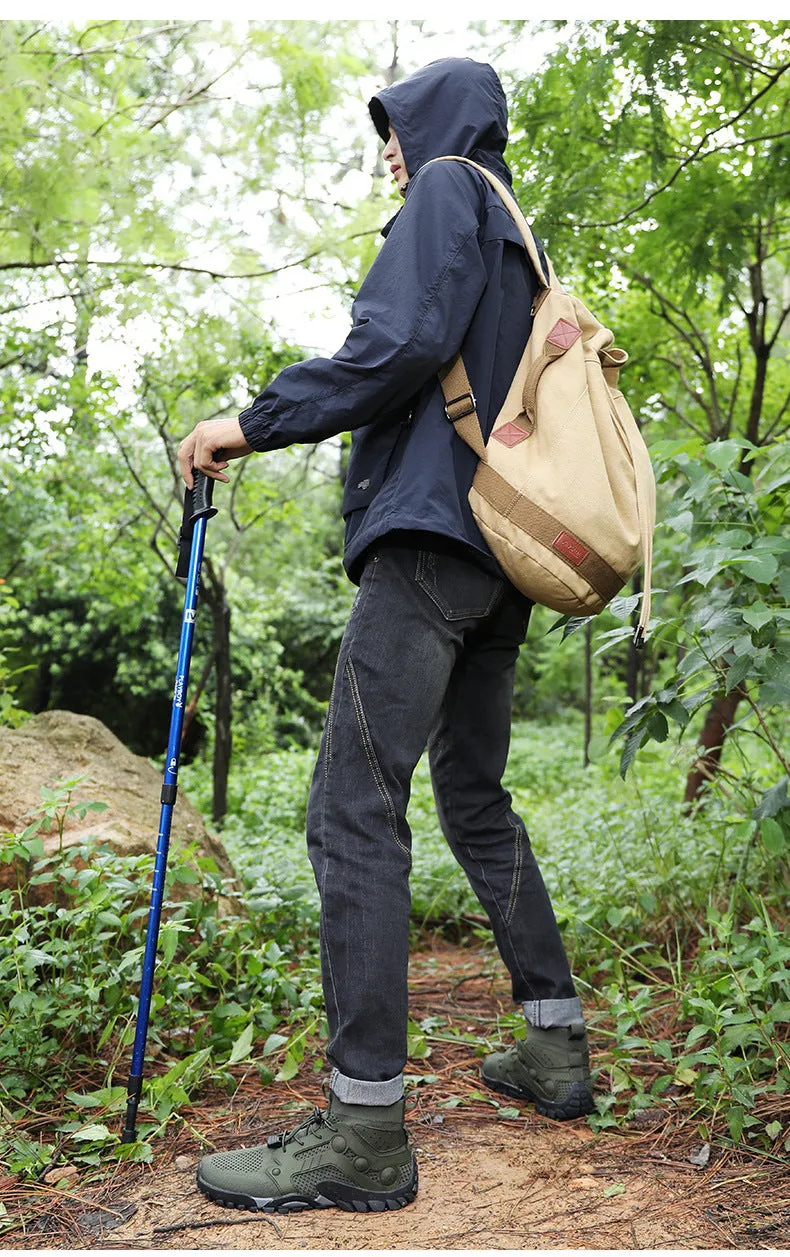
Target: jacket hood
455, 106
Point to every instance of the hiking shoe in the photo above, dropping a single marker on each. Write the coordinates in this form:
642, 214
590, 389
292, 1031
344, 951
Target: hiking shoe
550, 1068
350, 1156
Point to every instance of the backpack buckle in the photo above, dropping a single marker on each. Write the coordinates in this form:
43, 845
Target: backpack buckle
466, 401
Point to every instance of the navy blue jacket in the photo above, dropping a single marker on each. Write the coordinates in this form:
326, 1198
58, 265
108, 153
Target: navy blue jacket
452, 273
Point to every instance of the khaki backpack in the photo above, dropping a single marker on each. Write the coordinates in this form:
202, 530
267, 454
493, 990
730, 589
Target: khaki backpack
564, 492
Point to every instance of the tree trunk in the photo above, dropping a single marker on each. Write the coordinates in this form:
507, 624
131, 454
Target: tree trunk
220, 615
718, 722
756, 323
587, 690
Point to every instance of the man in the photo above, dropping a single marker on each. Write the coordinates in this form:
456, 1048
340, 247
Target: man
428, 655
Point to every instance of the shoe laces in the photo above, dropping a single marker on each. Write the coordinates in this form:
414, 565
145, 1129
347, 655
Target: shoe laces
311, 1125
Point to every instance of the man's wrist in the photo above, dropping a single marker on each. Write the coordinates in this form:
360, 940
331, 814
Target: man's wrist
255, 429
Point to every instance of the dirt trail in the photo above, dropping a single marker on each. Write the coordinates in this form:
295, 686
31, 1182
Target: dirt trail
486, 1182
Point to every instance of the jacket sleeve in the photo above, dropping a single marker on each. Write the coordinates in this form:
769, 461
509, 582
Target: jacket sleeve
409, 317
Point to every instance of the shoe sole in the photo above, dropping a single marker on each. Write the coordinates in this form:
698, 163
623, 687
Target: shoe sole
577, 1103
328, 1196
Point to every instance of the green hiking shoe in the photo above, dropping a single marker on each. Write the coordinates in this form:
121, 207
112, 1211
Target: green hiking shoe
350, 1156
550, 1068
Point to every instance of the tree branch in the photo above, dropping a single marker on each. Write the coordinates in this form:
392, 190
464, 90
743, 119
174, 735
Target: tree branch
194, 94
684, 419
778, 419
693, 156
690, 389
191, 270
783, 315
693, 338
145, 491
62, 296
138, 37
749, 139
735, 389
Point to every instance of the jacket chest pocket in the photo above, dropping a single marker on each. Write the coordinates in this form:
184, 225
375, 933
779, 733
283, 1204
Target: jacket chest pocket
372, 449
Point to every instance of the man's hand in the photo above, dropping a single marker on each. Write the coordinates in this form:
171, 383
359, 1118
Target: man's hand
209, 448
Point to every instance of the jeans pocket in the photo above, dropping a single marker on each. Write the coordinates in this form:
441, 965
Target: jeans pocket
460, 589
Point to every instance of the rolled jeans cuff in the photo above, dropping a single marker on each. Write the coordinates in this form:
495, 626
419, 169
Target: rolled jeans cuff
545, 1013
358, 1091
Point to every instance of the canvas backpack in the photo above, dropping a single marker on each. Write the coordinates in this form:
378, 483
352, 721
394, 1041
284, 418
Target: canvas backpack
564, 491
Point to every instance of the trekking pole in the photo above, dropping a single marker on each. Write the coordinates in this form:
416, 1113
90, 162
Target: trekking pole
197, 511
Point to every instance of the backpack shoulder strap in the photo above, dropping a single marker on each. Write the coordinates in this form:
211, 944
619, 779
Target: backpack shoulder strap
512, 206
460, 405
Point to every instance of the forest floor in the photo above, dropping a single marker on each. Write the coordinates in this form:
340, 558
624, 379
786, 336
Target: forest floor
486, 1181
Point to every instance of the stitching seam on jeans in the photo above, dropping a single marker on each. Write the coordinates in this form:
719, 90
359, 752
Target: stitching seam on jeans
516, 883
505, 920
324, 938
375, 768
328, 742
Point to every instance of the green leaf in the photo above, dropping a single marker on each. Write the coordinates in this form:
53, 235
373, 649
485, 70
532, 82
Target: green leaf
289, 1069
739, 671
684, 522
274, 1042
773, 836
722, 454
761, 568
185, 874
94, 1133
632, 745
573, 624
598, 747
686, 1077
675, 710
735, 1121
483, 1098
616, 1189
624, 605
88, 1100
113, 1098
773, 801
243, 1045
169, 943
757, 615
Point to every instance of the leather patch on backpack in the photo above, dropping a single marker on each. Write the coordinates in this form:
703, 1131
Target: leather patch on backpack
570, 548
563, 334
510, 434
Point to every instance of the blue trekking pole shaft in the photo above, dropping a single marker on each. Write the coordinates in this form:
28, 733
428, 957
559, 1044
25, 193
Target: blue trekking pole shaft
197, 511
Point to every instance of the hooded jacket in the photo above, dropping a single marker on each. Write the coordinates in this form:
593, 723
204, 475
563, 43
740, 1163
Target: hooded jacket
452, 273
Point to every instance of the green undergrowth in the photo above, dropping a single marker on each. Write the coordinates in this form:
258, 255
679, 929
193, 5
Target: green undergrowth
675, 926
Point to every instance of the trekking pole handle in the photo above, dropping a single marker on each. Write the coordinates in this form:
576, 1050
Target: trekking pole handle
197, 505
202, 494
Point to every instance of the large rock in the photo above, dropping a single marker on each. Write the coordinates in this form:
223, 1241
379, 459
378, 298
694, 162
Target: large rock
58, 745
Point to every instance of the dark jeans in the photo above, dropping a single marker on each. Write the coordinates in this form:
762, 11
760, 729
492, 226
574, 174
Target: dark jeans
427, 658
